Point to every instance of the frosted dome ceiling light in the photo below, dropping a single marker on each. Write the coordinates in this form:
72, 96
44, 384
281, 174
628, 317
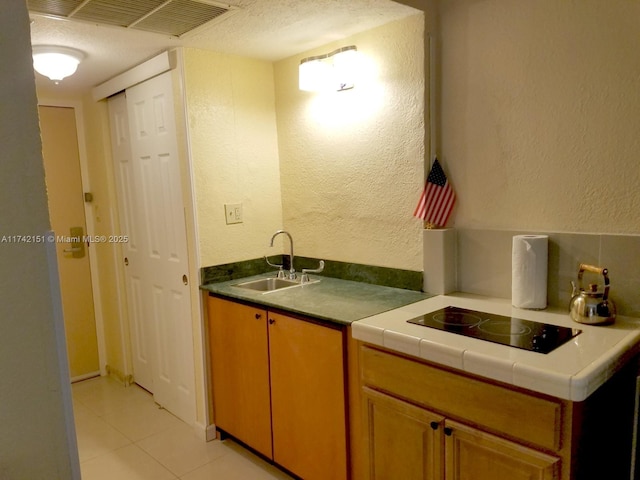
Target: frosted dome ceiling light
56, 62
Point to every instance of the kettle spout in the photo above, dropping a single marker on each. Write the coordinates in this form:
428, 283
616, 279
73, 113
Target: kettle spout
574, 289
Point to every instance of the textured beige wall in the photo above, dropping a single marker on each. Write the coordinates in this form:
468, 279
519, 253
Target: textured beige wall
351, 162
231, 116
540, 113
34, 443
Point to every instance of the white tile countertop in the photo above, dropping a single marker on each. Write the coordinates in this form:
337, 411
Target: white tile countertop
572, 371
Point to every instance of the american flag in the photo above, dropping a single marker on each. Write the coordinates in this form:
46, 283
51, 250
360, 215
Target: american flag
437, 199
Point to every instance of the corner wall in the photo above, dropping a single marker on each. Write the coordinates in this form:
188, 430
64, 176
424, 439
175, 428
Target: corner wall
352, 162
539, 126
38, 440
231, 116
539, 132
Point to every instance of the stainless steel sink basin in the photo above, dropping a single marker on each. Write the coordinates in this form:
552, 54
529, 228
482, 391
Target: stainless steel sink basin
266, 285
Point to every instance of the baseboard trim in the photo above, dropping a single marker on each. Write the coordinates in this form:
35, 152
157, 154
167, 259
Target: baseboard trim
206, 432
86, 376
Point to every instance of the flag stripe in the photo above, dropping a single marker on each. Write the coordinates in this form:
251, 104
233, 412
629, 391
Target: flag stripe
443, 206
435, 205
420, 210
446, 211
447, 206
432, 196
441, 214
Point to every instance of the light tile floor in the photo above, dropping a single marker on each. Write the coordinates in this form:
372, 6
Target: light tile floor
123, 434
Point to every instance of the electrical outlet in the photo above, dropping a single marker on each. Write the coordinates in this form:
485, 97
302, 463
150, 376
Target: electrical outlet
233, 213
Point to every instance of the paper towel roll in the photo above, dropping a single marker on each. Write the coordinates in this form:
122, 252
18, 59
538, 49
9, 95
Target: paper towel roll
529, 271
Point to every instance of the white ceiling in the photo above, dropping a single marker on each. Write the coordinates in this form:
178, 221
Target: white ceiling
263, 29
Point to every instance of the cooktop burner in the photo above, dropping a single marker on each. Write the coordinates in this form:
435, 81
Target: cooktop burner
515, 332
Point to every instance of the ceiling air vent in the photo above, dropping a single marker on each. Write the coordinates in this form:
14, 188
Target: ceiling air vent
168, 17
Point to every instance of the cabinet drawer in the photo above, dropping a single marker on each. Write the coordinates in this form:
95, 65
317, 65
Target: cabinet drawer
519, 415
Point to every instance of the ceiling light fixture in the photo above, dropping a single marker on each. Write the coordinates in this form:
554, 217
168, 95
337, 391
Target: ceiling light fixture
56, 62
331, 71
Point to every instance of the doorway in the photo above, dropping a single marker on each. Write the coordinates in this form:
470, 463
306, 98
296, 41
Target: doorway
63, 176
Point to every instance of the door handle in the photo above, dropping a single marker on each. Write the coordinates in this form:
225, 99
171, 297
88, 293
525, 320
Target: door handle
76, 239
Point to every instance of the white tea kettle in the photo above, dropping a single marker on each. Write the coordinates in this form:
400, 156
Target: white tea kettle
592, 306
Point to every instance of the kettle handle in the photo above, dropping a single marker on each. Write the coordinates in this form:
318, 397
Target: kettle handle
590, 268
597, 270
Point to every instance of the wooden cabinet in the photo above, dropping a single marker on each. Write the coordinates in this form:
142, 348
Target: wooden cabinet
430, 422
413, 443
239, 353
482, 429
288, 376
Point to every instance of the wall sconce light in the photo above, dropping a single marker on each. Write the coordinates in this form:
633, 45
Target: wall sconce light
331, 71
56, 62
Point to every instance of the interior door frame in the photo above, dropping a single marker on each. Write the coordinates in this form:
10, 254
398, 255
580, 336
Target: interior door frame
89, 221
174, 60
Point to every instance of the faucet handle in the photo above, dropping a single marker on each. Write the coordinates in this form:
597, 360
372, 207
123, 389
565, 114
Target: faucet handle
305, 271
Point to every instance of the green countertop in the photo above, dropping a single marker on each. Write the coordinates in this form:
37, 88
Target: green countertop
331, 299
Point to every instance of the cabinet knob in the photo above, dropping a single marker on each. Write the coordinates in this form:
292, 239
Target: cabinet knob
434, 425
448, 431
272, 321
258, 316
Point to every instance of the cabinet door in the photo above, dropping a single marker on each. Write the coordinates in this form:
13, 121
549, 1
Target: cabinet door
475, 455
240, 372
308, 398
403, 441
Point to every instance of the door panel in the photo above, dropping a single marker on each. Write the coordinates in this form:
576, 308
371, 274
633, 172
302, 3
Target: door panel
307, 398
471, 453
165, 262
152, 192
66, 208
239, 359
401, 440
141, 351
142, 346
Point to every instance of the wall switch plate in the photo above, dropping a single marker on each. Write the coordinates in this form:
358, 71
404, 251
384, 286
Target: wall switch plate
233, 213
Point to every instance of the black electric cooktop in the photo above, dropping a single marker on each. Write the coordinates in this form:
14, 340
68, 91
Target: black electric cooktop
514, 332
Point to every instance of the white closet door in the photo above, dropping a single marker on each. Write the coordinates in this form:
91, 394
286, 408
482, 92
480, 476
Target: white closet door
159, 291
140, 332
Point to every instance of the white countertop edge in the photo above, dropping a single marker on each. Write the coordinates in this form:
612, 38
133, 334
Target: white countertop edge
574, 387
588, 380
401, 342
488, 366
542, 381
367, 333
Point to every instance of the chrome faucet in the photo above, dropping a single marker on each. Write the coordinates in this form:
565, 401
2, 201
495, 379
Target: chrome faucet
292, 271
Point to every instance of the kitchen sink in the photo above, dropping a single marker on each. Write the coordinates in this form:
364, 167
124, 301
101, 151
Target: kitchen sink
266, 285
